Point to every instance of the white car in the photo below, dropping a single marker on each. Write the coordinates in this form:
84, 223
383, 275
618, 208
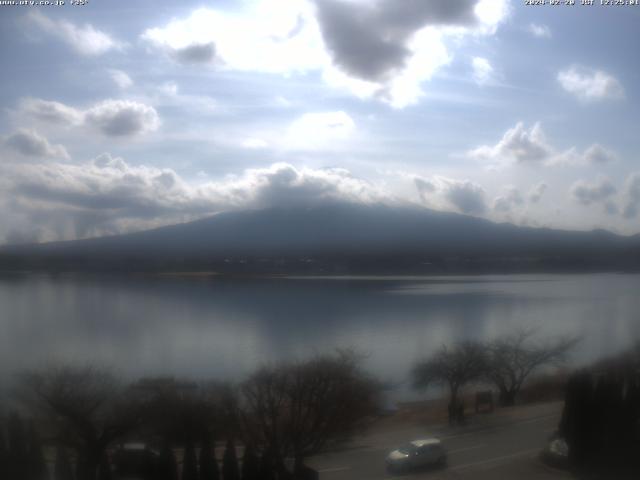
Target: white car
427, 452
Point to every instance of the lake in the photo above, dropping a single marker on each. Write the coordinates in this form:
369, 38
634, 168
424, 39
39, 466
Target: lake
205, 327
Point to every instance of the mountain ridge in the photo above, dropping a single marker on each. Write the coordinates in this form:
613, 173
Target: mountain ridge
329, 234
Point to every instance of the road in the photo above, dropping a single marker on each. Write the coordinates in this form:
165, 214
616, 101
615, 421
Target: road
502, 445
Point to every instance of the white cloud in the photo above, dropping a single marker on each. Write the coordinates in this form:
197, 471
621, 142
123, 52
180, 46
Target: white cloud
30, 144
273, 36
381, 48
539, 30
482, 70
120, 78
85, 39
589, 84
115, 118
324, 130
444, 193
108, 195
122, 118
255, 143
520, 145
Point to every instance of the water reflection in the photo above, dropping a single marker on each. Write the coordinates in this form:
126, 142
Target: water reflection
225, 328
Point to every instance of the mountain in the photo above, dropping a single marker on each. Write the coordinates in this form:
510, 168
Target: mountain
336, 239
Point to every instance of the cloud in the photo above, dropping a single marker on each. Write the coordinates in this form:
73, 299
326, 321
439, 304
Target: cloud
632, 196
589, 193
537, 192
444, 193
50, 112
122, 118
589, 84
195, 53
510, 199
272, 36
482, 70
387, 48
539, 30
120, 78
520, 145
85, 40
319, 130
383, 49
107, 195
114, 118
30, 144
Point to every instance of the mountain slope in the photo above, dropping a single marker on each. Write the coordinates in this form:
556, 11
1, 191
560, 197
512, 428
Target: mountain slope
328, 235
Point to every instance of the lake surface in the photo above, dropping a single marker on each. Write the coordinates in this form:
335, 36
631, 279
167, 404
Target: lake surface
224, 328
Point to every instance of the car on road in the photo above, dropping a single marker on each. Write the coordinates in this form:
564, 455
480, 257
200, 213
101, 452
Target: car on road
422, 453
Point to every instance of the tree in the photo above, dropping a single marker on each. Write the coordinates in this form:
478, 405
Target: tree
4, 453
36, 462
298, 409
189, 463
62, 468
230, 469
104, 469
89, 406
451, 367
250, 464
167, 465
18, 458
512, 359
208, 463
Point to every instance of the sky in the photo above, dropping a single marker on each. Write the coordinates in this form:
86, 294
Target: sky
122, 116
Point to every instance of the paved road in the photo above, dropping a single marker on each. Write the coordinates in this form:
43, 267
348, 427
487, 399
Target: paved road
502, 445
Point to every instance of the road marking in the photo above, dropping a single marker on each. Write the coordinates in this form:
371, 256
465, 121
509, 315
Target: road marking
336, 469
458, 450
496, 459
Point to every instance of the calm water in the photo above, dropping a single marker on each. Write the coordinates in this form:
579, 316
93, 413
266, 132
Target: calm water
224, 328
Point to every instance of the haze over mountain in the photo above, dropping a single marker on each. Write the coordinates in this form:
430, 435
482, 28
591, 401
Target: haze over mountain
336, 238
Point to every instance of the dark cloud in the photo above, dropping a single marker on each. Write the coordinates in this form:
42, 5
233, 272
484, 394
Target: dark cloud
590, 193
467, 197
537, 191
30, 144
195, 53
122, 118
49, 111
510, 199
369, 40
632, 196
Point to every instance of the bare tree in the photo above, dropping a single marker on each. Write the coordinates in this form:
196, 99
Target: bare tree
87, 405
512, 359
297, 410
452, 367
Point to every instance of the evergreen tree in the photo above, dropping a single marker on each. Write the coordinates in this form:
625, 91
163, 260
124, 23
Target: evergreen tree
208, 463
167, 465
250, 464
230, 470
189, 463
62, 469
